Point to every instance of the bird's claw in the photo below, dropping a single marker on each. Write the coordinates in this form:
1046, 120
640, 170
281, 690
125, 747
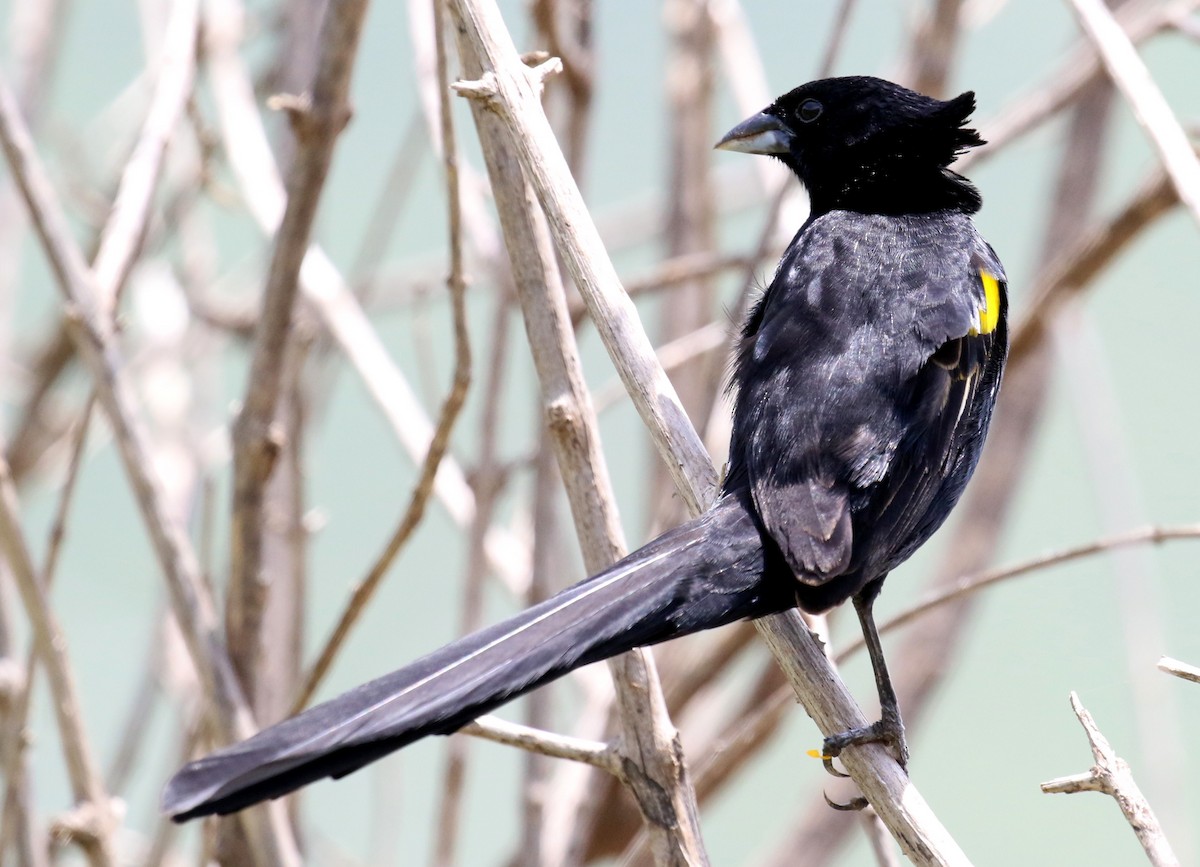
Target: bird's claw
854, 805
889, 731
827, 761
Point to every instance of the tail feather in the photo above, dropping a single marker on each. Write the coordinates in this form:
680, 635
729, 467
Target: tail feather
708, 572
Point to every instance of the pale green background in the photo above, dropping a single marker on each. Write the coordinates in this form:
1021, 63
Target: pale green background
999, 727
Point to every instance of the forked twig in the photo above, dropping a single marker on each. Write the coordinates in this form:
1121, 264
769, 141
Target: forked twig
1111, 776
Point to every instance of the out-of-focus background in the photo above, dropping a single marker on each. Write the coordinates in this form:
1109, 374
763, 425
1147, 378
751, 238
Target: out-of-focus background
1096, 435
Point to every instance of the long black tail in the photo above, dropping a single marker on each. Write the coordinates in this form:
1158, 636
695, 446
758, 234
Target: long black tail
708, 572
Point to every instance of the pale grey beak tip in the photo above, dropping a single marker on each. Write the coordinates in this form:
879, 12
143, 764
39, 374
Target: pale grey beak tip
761, 134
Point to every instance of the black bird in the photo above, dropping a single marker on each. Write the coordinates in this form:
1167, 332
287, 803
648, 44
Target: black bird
865, 377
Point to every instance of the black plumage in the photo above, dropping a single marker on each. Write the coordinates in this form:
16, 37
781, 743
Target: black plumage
865, 379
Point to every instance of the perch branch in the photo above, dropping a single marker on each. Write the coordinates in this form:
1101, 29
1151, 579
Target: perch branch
515, 100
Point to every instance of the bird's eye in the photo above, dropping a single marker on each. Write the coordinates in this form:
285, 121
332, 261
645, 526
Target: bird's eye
809, 111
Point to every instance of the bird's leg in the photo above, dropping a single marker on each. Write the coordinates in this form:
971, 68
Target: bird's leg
890, 728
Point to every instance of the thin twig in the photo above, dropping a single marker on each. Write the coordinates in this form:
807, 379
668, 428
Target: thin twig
1179, 669
974, 583
1130, 74
91, 330
438, 445
136, 727
58, 527
256, 440
450, 809
251, 160
91, 797
598, 755
1111, 775
541, 792
121, 238
1081, 68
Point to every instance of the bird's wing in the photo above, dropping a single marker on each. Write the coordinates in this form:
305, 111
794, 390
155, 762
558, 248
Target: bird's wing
949, 403
864, 401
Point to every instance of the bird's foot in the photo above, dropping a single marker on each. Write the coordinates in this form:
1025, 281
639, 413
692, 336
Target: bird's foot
889, 730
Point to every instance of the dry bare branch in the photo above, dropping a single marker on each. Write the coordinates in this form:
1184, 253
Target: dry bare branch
96, 835
1179, 669
1130, 74
256, 434
254, 166
650, 762
1140, 19
511, 89
1112, 776
91, 331
881, 780
532, 740
121, 238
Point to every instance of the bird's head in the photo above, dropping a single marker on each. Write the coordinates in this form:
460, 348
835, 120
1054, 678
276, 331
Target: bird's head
865, 144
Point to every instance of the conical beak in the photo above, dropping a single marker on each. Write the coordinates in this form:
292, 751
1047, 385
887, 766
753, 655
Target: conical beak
761, 134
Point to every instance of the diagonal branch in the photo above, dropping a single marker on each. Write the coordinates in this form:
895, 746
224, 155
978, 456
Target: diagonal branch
511, 93
316, 120
649, 759
91, 798
1179, 669
121, 238
91, 330
1131, 76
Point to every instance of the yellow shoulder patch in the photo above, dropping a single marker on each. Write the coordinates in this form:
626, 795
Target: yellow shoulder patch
989, 313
